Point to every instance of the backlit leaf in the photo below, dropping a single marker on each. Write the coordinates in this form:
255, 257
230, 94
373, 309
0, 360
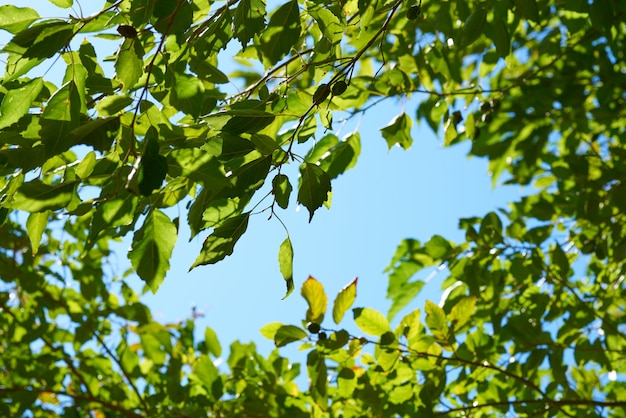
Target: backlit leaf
282, 32
17, 102
344, 300
282, 190
221, 242
129, 63
313, 292
287, 334
36, 196
14, 19
371, 321
152, 248
398, 132
35, 225
285, 262
314, 188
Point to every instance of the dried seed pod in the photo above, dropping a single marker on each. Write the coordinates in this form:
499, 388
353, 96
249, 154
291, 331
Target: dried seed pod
127, 31
322, 92
339, 87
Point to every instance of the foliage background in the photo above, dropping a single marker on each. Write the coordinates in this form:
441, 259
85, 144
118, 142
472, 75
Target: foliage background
508, 283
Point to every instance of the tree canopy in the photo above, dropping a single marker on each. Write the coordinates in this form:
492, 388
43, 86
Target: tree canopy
204, 104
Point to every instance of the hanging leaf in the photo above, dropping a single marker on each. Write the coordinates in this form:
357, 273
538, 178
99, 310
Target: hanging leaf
285, 262
313, 292
249, 20
35, 225
398, 132
344, 300
221, 242
129, 63
282, 32
282, 190
152, 248
501, 37
473, 26
314, 188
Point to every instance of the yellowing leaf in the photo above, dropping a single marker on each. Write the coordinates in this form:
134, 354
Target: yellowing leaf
285, 262
313, 293
344, 300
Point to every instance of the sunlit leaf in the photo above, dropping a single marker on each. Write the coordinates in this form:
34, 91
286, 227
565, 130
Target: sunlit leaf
17, 102
35, 225
152, 248
221, 242
370, 321
344, 300
285, 262
313, 292
15, 19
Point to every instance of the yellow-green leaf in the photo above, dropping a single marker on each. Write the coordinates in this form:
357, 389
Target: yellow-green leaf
371, 321
35, 225
285, 262
314, 294
344, 300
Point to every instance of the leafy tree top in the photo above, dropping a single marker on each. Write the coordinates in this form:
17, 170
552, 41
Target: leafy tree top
532, 321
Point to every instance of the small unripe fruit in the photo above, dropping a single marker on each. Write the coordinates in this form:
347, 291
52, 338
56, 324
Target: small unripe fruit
313, 327
413, 12
127, 31
339, 87
322, 92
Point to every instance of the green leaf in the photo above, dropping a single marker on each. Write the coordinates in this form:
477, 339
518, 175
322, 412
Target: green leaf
281, 187
129, 64
329, 24
398, 132
212, 342
221, 242
65, 4
314, 188
64, 105
285, 262
436, 321
462, 312
269, 330
15, 19
111, 105
287, 334
152, 248
371, 321
344, 300
437, 247
17, 102
249, 20
313, 292
282, 32
528, 9
501, 38
86, 166
188, 94
36, 196
343, 156
473, 26
205, 372
35, 225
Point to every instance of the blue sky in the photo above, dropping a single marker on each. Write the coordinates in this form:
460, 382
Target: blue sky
388, 196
